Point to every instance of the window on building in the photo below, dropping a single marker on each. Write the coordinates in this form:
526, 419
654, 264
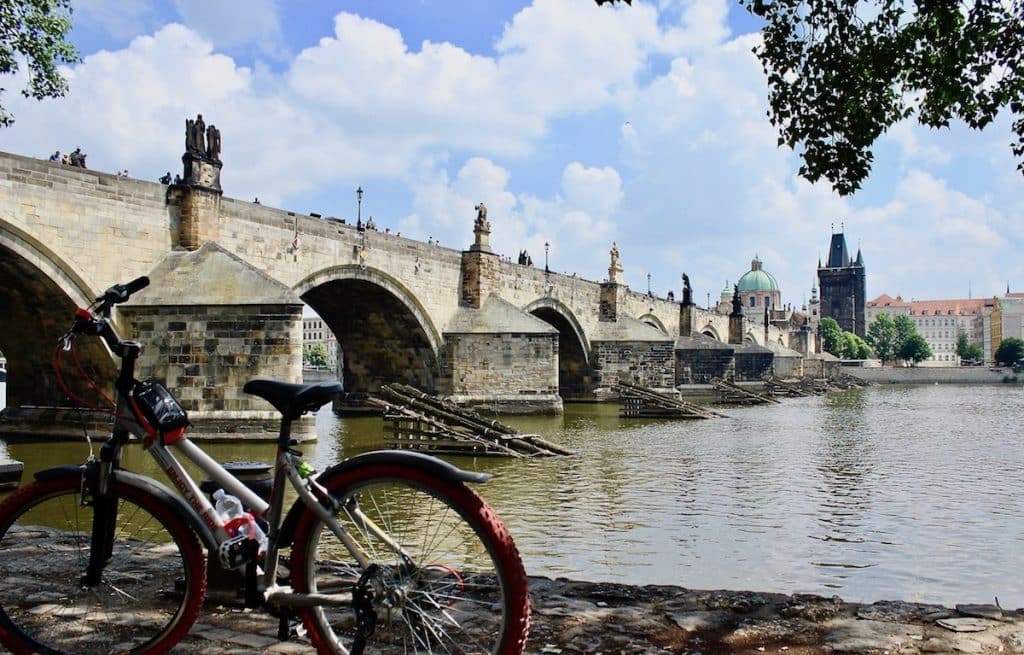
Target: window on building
753, 300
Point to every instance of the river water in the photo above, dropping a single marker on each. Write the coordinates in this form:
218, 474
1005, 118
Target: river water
891, 492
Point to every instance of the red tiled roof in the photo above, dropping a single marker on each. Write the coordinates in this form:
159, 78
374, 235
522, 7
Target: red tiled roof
953, 307
885, 300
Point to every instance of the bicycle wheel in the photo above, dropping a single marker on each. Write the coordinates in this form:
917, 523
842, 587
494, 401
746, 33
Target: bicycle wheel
450, 581
149, 593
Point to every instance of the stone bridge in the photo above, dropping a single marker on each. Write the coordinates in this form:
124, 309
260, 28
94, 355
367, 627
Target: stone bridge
229, 279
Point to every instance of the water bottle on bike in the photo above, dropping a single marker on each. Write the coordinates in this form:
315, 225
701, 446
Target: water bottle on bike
237, 521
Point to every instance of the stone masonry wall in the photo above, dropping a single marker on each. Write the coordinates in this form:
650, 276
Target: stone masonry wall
646, 363
481, 275
753, 365
701, 365
502, 364
205, 355
103, 228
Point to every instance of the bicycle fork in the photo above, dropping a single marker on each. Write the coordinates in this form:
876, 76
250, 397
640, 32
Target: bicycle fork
104, 521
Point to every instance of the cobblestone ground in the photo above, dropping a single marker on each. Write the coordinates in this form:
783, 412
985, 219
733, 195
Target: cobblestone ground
591, 618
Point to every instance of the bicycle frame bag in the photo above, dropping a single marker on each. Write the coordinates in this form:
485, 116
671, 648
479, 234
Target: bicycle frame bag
159, 406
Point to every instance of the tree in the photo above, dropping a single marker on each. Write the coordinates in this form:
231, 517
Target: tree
881, 336
905, 329
35, 30
853, 347
1010, 352
915, 349
968, 352
315, 355
831, 336
842, 72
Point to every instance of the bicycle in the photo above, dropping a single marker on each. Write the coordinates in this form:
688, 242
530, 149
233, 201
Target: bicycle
390, 550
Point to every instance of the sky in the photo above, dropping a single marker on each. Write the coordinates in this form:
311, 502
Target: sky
577, 125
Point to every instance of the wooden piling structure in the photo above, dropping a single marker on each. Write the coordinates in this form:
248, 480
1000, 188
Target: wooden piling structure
640, 402
727, 392
777, 387
423, 422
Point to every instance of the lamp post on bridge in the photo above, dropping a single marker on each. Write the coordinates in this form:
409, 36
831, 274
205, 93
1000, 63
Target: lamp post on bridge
359, 207
547, 271
648, 285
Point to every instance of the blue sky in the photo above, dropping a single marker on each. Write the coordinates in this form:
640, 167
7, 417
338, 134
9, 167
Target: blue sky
576, 125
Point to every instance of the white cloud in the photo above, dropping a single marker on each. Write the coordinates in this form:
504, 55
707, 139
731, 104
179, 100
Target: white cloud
697, 183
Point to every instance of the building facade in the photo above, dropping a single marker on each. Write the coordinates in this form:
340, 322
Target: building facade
315, 330
939, 322
843, 287
1004, 320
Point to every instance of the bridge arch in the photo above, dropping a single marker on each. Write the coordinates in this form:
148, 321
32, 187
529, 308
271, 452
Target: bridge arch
574, 353
710, 331
654, 322
384, 332
37, 300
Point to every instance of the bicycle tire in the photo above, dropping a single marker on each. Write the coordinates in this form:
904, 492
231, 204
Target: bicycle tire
467, 592
150, 592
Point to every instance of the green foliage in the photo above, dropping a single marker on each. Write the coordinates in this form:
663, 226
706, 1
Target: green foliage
881, 336
35, 30
915, 349
905, 329
842, 72
315, 355
1010, 352
962, 344
968, 352
853, 347
831, 336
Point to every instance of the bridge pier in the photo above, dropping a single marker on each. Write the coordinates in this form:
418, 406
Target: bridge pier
208, 324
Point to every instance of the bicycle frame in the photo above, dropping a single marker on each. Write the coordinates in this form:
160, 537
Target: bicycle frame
128, 422
272, 512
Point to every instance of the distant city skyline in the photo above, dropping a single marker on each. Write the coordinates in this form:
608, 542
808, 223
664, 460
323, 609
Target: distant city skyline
577, 125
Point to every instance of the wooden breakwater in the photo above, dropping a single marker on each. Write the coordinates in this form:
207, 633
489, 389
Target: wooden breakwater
640, 402
420, 421
795, 388
731, 393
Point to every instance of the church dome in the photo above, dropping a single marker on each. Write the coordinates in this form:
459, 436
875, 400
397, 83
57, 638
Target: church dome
757, 279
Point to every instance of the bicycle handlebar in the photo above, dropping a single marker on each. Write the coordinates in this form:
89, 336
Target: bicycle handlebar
95, 321
119, 293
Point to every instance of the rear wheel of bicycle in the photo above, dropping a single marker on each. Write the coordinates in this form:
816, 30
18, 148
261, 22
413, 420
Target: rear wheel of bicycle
450, 581
149, 593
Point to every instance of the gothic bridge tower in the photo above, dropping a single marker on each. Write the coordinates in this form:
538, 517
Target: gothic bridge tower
843, 287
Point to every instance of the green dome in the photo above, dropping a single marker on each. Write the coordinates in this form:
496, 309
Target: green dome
757, 279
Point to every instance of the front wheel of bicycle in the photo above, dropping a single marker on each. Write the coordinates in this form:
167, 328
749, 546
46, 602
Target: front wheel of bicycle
149, 592
444, 575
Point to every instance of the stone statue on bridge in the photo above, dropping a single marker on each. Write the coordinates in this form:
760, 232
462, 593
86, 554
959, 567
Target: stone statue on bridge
481, 218
687, 291
202, 155
212, 143
481, 230
195, 135
615, 267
